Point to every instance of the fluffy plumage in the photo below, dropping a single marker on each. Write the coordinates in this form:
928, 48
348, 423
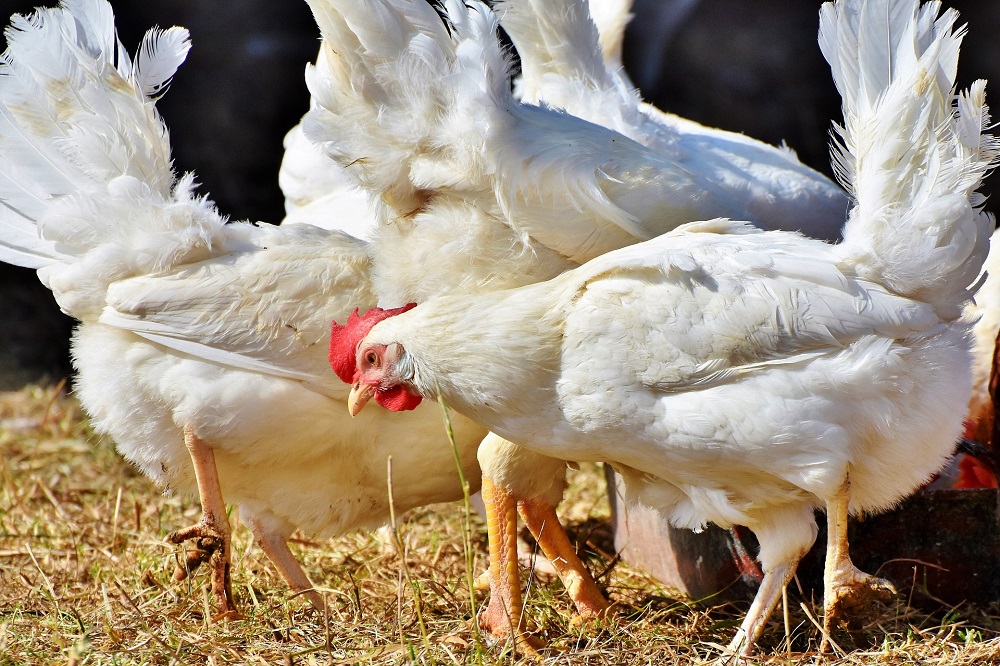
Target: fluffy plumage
189, 324
563, 66
318, 190
492, 192
738, 376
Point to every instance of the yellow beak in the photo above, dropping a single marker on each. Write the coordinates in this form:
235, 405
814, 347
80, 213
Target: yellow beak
360, 395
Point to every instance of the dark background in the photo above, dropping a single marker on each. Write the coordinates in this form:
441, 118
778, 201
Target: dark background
748, 67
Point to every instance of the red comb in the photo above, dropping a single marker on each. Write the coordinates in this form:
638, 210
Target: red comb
344, 340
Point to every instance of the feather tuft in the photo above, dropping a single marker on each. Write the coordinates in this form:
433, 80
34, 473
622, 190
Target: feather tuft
159, 56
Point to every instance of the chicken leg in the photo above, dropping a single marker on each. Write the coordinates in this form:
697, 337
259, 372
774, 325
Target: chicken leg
213, 532
845, 587
503, 615
544, 525
764, 603
504, 610
274, 543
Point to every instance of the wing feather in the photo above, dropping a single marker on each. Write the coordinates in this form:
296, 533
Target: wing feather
267, 309
716, 301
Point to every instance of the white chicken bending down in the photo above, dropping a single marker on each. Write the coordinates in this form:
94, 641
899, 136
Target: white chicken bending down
193, 331
563, 65
736, 376
424, 120
477, 191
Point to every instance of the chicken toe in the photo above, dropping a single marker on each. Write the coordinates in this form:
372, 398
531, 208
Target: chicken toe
850, 592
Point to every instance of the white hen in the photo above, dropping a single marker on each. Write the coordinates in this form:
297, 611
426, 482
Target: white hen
738, 376
193, 331
317, 190
477, 191
451, 156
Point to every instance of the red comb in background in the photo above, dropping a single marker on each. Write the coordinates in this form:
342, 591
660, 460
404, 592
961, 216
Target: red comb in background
344, 340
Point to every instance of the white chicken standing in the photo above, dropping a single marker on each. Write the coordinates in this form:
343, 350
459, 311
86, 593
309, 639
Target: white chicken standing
744, 377
492, 193
193, 331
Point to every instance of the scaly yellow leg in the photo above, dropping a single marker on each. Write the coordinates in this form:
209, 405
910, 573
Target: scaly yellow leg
764, 602
275, 546
542, 521
502, 617
846, 589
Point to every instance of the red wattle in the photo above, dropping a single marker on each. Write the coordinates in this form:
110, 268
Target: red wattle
397, 399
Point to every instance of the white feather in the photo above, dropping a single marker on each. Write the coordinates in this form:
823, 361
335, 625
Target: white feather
733, 375
186, 322
160, 54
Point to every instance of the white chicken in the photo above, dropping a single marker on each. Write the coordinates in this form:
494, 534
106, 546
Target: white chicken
493, 193
450, 155
318, 192
744, 377
193, 331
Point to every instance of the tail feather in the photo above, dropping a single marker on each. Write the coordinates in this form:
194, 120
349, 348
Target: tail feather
611, 18
86, 179
910, 153
563, 64
554, 39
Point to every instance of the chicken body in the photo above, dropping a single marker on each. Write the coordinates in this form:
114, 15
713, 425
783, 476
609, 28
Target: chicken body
717, 368
198, 340
494, 193
739, 376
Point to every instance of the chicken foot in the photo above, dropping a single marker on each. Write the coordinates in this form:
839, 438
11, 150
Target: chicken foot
275, 546
503, 616
846, 589
213, 532
544, 525
766, 600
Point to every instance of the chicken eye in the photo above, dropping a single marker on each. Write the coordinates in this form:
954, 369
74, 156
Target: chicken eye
372, 358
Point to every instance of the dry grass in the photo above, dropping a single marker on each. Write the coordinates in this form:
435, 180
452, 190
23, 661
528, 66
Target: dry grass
85, 578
